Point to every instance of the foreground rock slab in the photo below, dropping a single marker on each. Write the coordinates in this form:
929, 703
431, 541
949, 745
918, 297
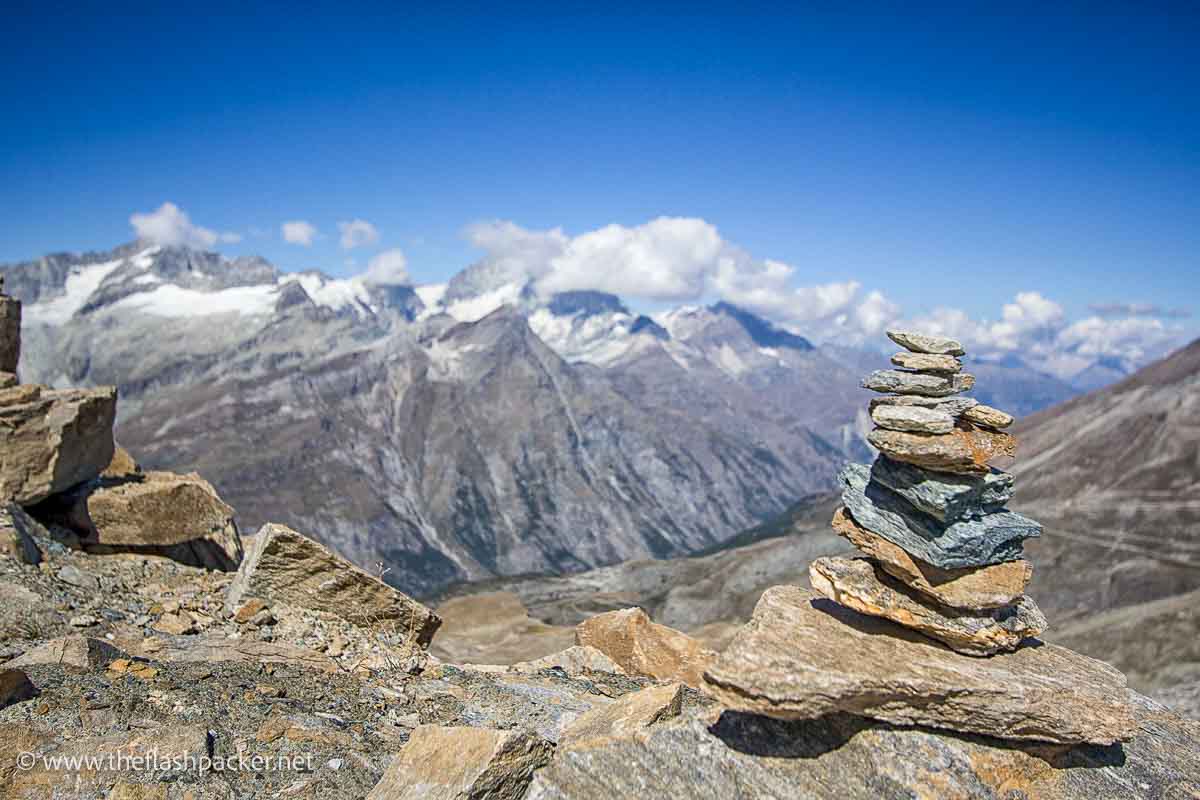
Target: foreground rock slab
177, 516
645, 648
449, 763
965, 449
988, 417
54, 441
842, 757
801, 657
971, 588
856, 584
992, 539
283, 566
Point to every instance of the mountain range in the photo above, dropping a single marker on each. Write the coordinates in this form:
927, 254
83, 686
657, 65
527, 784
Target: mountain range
457, 432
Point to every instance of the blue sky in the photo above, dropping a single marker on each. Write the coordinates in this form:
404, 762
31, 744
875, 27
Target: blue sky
943, 157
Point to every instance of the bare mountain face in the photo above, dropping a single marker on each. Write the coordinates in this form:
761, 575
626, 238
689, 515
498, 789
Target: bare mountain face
455, 432
1115, 475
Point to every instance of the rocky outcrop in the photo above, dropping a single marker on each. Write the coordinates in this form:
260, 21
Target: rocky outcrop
842, 757
51, 440
452, 763
284, 566
10, 331
803, 656
177, 516
642, 647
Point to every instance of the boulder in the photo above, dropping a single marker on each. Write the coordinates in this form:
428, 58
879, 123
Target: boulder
917, 383
946, 496
575, 660
10, 333
988, 417
629, 714
446, 763
972, 588
858, 585
927, 362
78, 652
843, 757
966, 449
15, 687
924, 343
802, 656
177, 516
912, 418
283, 566
991, 539
645, 648
55, 441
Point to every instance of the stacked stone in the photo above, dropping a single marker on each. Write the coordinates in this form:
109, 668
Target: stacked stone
943, 554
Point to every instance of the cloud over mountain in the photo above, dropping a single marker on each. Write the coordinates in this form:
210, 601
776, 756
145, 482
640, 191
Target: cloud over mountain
170, 225
357, 233
671, 259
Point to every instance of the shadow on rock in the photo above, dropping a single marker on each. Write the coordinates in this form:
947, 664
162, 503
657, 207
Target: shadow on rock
776, 738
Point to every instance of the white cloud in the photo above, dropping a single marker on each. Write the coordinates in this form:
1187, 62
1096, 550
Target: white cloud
389, 268
299, 232
1037, 330
357, 233
669, 259
170, 226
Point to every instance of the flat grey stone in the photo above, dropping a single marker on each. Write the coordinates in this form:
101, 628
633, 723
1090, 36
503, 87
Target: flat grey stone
923, 343
954, 406
926, 362
917, 383
912, 418
968, 543
947, 496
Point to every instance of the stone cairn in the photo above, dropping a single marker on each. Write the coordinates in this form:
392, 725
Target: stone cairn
932, 627
944, 557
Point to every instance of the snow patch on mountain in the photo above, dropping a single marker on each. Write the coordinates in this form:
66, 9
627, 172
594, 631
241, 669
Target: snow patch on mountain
81, 283
169, 300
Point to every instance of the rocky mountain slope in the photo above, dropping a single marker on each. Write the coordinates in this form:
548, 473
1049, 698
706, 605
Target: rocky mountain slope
451, 432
